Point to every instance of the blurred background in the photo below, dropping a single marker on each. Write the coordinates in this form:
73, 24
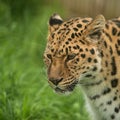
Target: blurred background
24, 91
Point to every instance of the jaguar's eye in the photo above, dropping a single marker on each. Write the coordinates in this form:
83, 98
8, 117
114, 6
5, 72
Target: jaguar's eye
49, 56
71, 56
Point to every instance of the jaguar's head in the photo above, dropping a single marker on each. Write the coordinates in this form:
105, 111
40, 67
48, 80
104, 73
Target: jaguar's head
72, 53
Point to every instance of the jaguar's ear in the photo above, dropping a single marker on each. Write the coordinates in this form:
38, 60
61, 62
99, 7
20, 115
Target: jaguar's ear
93, 31
54, 22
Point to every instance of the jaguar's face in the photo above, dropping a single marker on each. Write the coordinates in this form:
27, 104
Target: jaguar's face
69, 56
63, 70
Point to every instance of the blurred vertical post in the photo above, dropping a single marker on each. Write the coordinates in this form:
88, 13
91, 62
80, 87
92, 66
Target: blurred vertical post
109, 8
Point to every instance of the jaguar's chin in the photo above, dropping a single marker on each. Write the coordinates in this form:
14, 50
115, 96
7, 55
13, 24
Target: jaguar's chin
59, 90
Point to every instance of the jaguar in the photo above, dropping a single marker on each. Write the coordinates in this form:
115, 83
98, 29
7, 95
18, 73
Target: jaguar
85, 52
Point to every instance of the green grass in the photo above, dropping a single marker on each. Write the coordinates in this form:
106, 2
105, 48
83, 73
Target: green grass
24, 91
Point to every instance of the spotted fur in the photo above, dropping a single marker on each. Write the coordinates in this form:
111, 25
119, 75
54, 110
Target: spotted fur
86, 52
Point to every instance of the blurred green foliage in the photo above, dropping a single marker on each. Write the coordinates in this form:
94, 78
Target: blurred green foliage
24, 91
18, 8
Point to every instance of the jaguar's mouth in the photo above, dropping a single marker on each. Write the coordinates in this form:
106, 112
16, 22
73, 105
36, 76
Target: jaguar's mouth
59, 90
68, 88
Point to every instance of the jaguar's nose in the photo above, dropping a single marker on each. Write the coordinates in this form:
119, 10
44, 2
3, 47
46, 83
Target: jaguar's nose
55, 81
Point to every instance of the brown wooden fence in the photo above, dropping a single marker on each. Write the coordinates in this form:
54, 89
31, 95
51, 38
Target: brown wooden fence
109, 8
